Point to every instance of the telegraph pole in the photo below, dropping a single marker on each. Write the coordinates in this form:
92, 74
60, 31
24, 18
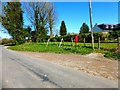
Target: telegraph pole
90, 12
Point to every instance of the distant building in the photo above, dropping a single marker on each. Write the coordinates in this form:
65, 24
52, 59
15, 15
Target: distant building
105, 28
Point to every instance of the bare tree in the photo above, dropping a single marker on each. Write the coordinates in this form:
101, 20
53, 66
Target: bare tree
41, 15
51, 18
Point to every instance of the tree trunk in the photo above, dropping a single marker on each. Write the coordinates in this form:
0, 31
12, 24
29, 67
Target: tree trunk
99, 43
51, 35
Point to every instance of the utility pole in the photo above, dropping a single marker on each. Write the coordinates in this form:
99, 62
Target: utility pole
90, 12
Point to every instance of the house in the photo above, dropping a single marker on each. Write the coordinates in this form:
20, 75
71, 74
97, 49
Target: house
105, 28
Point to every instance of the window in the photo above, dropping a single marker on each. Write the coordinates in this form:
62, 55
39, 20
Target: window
107, 26
112, 26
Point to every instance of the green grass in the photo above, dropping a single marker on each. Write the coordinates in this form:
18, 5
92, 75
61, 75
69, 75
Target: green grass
103, 45
41, 47
112, 55
106, 48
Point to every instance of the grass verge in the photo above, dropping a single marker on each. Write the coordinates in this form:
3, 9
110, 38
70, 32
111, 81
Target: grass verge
112, 55
41, 47
67, 48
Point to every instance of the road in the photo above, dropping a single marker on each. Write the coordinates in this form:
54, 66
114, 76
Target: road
20, 71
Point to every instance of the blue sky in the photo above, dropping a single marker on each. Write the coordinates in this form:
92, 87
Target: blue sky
75, 13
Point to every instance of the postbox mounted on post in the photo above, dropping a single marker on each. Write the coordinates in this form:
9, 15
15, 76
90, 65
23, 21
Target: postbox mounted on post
76, 39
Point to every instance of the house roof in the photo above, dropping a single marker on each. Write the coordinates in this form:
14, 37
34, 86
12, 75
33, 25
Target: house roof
109, 26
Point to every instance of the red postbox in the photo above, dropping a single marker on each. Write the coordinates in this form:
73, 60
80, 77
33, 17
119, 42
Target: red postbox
76, 39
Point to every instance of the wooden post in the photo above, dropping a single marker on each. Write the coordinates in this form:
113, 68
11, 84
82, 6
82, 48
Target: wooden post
99, 42
61, 42
84, 42
90, 12
72, 41
118, 42
48, 42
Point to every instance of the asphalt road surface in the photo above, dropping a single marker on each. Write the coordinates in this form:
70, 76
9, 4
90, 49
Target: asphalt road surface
20, 71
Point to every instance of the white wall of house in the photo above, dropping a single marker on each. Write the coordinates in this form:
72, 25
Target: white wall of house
97, 29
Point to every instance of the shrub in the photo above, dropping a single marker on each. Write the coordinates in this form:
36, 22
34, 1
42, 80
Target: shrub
112, 55
6, 41
0, 42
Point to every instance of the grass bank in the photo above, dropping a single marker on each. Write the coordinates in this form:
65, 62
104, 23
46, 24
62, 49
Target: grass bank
66, 48
41, 47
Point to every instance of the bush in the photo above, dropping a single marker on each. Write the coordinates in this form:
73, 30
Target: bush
6, 41
0, 42
87, 37
68, 38
112, 55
